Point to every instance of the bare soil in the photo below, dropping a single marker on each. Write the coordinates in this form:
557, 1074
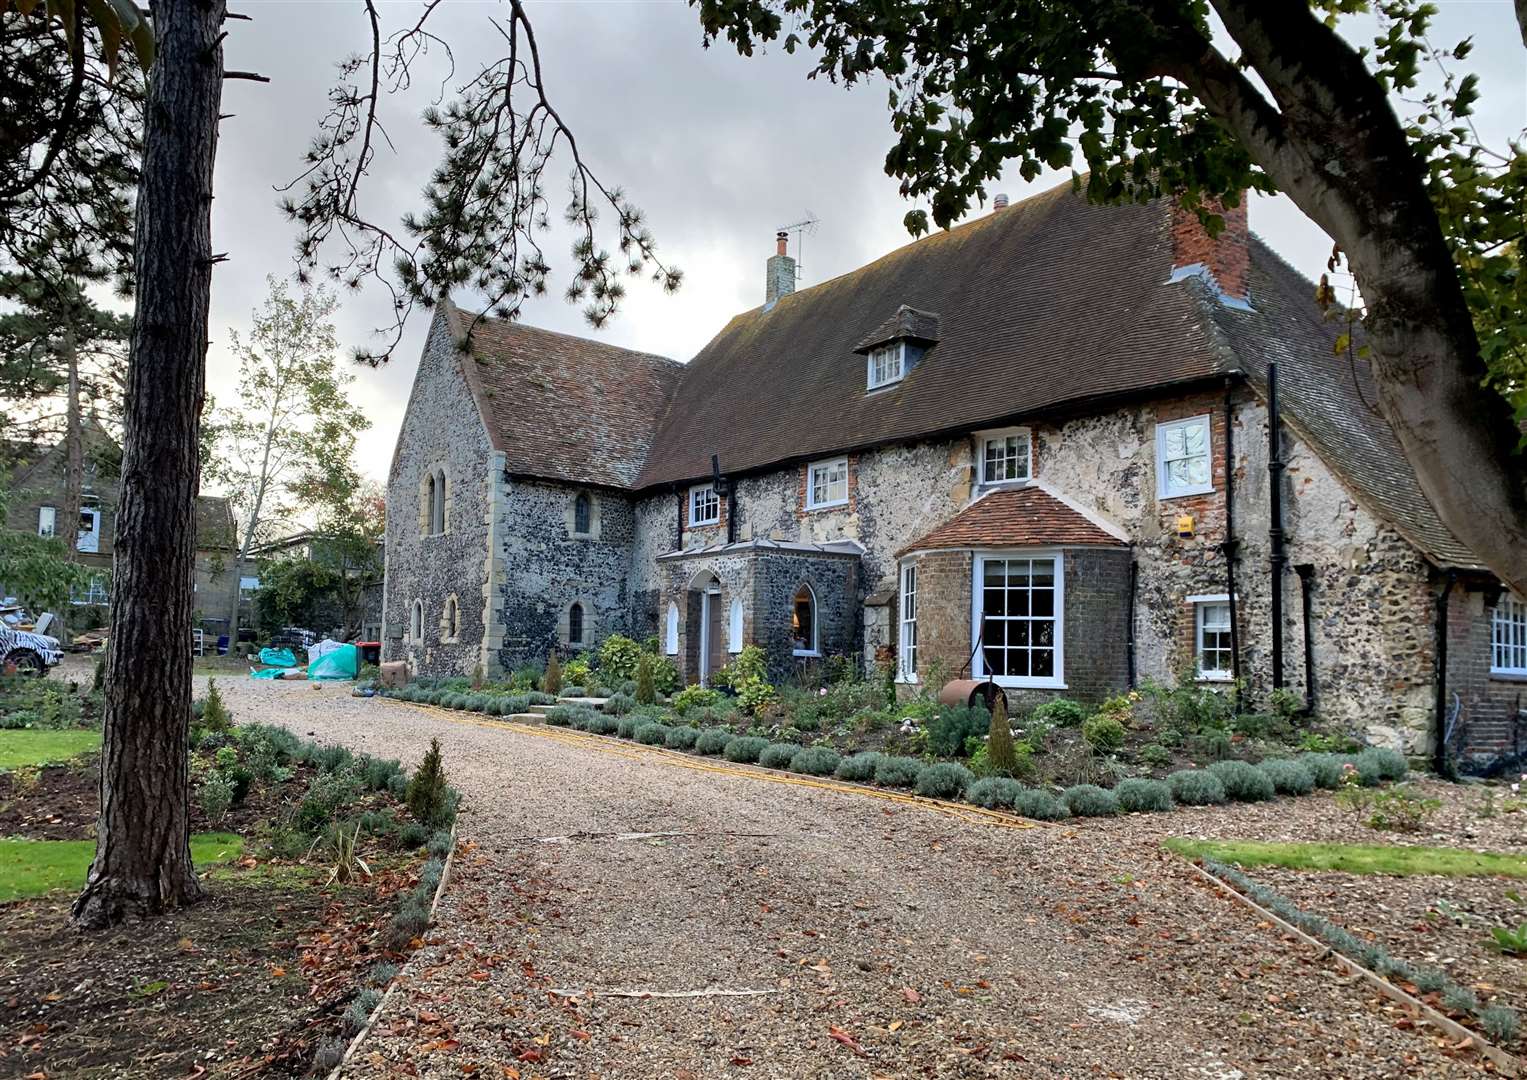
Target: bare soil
246, 983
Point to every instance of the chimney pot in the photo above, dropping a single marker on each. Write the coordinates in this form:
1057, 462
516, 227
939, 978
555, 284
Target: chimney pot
781, 242
1000, 202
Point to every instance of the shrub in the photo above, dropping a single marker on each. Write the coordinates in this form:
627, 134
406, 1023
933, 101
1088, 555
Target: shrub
329, 1054
551, 681
944, 780
1155, 755
1243, 782
745, 748
1196, 787
712, 741
376, 773
681, 738
947, 730
439, 843
332, 758
777, 755
1324, 768
382, 974
815, 761
1001, 757
646, 687
412, 835
361, 1008
1060, 712
994, 792
575, 690
241, 779
1500, 1023
1089, 800
397, 786
1400, 809
577, 672
696, 696
1140, 796
428, 797
1376, 764
1288, 777
897, 771
626, 726
618, 657
1212, 745
652, 733
564, 716
620, 704
1105, 734
859, 767
600, 724
216, 795
1040, 805
215, 715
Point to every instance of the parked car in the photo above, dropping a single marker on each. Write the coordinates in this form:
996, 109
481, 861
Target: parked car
24, 651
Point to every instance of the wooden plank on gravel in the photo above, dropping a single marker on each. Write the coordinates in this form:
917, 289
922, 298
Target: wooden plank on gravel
1506, 1063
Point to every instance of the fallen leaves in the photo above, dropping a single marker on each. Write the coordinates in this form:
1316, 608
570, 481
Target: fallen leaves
837, 1034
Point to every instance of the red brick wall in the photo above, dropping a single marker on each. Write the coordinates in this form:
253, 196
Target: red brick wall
1225, 255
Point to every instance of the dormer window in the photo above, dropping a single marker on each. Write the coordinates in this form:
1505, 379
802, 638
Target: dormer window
1005, 456
887, 364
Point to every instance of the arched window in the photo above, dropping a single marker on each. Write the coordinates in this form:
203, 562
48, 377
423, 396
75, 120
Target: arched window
671, 637
429, 504
450, 620
416, 623
575, 624
582, 507
803, 622
437, 504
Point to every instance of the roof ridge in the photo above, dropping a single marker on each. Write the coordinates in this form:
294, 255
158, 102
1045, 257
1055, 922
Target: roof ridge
520, 325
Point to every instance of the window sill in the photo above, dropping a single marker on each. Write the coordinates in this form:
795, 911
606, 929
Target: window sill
805, 652
993, 485
810, 509
704, 524
1508, 676
1185, 493
1213, 677
889, 384
1012, 683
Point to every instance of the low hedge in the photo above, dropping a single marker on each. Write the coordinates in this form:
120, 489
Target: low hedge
815, 761
1242, 781
1196, 787
944, 780
1089, 800
745, 748
1141, 796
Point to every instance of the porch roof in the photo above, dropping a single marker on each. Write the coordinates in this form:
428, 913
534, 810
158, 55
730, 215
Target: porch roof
848, 548
1018, 517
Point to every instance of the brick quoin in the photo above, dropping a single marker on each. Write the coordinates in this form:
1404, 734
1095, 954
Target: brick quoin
1226, 256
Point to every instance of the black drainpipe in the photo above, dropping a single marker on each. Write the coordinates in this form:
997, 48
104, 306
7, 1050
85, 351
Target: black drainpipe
1306, 572
1230, 544
1129, 621
1439, 751
724, 484
678, 544
1277, 558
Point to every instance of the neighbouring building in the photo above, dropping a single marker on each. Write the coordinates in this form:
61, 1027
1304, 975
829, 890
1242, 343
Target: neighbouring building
348, 609
1035, 447
37, 478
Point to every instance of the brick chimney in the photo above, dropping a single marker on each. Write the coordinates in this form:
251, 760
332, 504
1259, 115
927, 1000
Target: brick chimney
1223, 260
779, 279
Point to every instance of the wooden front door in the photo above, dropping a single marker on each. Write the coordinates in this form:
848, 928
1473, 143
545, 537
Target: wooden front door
715, 642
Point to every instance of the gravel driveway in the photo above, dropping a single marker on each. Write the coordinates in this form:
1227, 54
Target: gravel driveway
889, 940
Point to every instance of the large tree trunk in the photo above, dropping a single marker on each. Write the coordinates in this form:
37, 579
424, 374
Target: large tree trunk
74, 448
1334, 145
143, 857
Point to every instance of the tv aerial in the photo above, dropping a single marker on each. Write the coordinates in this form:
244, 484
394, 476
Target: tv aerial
807, 226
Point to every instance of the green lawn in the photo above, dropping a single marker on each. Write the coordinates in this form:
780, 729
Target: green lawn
32, 747
1354, 858
34, 867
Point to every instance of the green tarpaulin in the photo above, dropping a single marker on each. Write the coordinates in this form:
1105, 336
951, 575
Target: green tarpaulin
337, 663
278, 657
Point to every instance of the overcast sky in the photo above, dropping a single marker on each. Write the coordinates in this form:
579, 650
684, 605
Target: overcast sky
717, 149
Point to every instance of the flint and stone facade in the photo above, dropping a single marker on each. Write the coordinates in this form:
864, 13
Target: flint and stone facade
535, 555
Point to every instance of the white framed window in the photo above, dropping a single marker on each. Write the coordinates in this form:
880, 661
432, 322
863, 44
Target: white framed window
734, 627
1006, 456
827, 484
803, 623
90, 529
1213, 660
95, 592
1017, 619
1508, 636
671, 630
47, 521
906, 652
1183, 462
886, 364
704, 505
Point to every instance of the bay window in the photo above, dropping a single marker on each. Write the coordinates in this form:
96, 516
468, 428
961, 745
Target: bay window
1018, 619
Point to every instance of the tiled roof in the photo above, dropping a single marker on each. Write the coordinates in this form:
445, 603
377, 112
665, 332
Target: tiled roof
1050, 301
563, 407
1015, 517
908, 323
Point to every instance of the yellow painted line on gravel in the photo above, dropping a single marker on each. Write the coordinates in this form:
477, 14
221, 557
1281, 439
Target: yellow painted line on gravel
606, 744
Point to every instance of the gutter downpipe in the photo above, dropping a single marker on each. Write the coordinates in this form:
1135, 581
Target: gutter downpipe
1230, 544
1129, 620
1439, 748
678, 502
1306, 572
1277, 558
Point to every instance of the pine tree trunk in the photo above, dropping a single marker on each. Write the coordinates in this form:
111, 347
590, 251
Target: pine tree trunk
74, 449
143, 856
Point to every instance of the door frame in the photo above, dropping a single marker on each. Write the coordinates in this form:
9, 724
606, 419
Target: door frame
710, 596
